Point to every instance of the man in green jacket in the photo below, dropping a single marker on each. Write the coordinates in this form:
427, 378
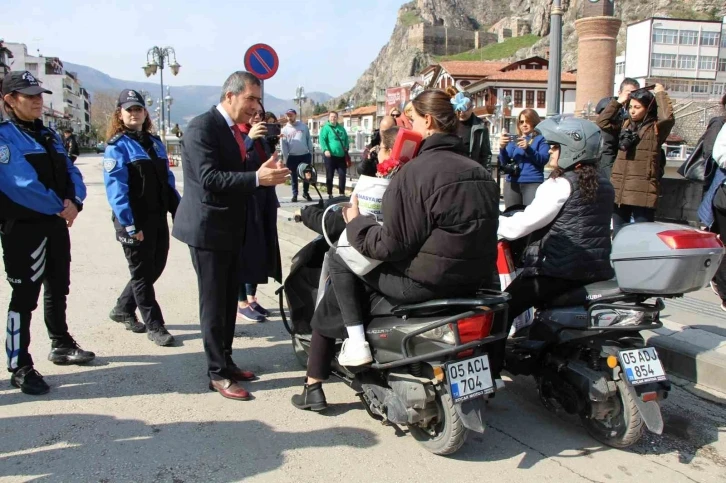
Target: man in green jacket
334, 144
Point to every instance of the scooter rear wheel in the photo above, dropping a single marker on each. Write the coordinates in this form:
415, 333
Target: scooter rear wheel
448, 434
624, 428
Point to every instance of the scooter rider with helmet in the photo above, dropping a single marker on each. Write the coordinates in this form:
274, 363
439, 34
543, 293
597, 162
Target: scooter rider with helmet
41, 193
569, 220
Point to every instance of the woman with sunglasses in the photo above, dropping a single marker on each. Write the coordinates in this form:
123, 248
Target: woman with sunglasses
41, 193
141, 191
523, 158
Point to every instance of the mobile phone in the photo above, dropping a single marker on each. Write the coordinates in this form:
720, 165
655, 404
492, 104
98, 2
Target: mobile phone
273, 129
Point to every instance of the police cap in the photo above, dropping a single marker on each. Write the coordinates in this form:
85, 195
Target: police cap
130, 98
23, 82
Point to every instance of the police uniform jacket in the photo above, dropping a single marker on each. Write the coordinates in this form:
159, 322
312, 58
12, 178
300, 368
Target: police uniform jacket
36, 175
139, 183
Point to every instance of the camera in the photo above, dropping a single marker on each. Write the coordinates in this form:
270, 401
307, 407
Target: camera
627, 140
512, 169
273, 128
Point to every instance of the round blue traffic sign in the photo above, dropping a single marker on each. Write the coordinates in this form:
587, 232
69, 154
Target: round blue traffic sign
261, 60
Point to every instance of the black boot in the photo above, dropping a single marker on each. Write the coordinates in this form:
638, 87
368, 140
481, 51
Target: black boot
160, 336
67, 351
130, 321
307, 196
312, 398
29, 381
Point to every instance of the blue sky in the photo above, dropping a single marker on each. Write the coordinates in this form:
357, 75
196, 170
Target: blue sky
325, 45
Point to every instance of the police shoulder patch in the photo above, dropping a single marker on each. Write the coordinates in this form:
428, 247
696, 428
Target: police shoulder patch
4, 154
109, 164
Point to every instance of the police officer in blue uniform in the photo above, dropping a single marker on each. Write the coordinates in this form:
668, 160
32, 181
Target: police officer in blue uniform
41, 193
141, 191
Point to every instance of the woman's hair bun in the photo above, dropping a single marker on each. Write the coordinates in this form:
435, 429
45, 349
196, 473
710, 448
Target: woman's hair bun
452, 91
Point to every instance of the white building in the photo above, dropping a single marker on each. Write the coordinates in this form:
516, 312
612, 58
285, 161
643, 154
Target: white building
70, 103
687, 56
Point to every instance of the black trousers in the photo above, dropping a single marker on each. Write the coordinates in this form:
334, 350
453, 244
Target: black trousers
350, 289
320, 360
719, 280
623, 213
218, 282
527, 292
146, 260
519, 193
36, 253
335, 164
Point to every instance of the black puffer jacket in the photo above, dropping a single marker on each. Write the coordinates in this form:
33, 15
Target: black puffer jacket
441, 213
576, 245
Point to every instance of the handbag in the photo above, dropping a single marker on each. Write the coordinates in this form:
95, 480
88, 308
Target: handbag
358, 263
696, 168
348, 162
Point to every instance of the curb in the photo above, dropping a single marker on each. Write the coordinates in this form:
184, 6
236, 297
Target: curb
692, 354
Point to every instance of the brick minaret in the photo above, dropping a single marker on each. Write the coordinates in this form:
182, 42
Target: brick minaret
597, 31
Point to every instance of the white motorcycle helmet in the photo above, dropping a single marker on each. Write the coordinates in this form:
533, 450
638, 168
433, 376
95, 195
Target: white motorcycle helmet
580, 140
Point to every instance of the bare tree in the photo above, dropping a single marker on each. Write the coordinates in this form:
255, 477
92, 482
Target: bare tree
103, 106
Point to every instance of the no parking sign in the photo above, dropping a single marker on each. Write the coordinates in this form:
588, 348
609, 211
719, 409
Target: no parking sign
262, 61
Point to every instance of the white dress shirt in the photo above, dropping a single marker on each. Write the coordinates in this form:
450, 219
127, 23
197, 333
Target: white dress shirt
231, 123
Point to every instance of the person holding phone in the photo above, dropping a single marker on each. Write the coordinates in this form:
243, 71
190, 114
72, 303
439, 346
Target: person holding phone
523, 158
260, 256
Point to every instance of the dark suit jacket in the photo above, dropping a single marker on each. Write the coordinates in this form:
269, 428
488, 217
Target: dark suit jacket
212, 212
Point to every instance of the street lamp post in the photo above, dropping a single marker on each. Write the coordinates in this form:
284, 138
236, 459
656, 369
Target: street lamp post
147, 98
349, 108
169, 100
157, 58
299, 98
554, 78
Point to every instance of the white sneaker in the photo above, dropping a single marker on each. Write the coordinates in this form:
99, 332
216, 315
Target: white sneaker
355, 354
713, 287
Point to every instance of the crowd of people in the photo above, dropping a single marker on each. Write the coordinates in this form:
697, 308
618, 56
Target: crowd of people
603, 173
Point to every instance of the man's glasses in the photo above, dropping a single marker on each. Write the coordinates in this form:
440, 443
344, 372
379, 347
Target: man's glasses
396, 115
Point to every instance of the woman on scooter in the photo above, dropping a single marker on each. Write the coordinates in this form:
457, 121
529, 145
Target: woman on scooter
569, 221
431, 250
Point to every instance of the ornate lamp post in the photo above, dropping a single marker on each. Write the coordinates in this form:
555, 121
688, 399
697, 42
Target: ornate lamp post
169, 100
156, 59
349, 108
299, 98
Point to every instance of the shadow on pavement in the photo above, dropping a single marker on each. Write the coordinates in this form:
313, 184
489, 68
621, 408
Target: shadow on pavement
84, 447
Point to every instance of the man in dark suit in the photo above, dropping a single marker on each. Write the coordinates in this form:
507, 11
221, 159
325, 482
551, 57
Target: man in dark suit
211, 219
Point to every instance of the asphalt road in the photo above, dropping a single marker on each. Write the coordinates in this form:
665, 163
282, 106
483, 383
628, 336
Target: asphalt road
143, 413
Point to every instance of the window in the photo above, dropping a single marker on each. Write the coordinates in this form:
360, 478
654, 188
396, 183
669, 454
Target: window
620, 68
665, 36
663, 61
530, 99
517, 98
678, 87
366, 124
709, 38
701, 87
722, 65
686, 61
541, 99
723, 41
507, 92
718, 89
707, 62
688, 37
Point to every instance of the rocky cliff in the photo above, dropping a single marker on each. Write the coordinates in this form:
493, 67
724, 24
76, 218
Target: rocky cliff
398, 59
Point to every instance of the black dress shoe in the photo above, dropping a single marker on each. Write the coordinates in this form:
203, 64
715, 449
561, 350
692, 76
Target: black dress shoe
69, 352
312, 398
307, 196
293, 199
160, 336
29, 381
130, 321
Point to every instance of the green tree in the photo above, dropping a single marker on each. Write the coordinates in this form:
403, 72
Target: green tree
319, 109
342, 103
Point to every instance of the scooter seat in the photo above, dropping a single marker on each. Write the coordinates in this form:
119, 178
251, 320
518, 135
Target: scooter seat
381, 306
588, 294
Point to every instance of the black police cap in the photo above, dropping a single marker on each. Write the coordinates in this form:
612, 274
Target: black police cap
130, 98
23, 82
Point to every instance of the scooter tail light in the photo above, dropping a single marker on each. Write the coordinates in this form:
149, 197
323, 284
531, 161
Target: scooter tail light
475, 328
688, 239
649, 396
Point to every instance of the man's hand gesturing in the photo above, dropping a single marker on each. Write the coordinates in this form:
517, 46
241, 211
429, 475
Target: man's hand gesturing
271, 173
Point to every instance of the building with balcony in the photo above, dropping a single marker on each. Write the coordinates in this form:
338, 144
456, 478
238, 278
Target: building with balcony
687, 56
70, 104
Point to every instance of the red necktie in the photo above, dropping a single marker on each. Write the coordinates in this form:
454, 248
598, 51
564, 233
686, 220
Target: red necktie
240, 142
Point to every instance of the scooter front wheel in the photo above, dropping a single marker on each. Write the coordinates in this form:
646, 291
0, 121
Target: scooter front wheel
447, 433
623, 427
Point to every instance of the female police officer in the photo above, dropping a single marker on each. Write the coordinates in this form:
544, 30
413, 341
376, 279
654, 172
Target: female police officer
41, 193
140, 189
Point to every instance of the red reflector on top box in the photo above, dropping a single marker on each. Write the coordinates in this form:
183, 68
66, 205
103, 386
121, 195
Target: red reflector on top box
689, 239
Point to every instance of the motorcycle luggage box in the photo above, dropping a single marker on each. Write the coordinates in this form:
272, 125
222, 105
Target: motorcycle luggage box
664, 259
